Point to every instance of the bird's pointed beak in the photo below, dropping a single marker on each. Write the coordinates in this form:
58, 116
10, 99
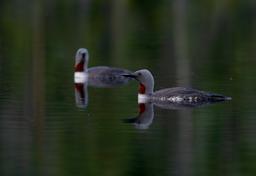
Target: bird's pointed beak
130, 76
130, 120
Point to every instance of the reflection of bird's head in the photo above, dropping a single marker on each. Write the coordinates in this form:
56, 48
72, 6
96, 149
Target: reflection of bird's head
82, 58
145, 79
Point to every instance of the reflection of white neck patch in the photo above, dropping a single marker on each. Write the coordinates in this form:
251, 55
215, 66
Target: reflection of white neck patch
80, 77
143, 98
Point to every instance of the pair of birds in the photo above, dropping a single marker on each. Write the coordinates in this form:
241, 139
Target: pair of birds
118, 76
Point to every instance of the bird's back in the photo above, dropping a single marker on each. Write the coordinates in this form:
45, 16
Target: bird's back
103, 76
186, 96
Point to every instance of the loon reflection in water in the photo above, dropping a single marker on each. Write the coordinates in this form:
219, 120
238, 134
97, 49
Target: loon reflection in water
176, 95
144, 118
146, 112
100, 76
81, 95
81, 88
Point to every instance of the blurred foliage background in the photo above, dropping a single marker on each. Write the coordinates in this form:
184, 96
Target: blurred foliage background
209, 45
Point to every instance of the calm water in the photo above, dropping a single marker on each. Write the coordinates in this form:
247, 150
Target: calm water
205, 45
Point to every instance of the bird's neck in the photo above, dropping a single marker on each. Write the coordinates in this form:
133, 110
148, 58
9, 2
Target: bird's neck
81, 66
146, 89
142, 88
144, 93
80, 77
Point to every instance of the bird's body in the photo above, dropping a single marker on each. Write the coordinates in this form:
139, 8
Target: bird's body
99, 76
169, 96
103, 76
180, 97
186, 95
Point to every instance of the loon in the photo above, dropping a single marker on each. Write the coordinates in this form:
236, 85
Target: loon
99, 76
177, 95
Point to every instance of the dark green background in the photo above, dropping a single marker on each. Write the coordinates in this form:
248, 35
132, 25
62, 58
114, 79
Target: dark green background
210, 45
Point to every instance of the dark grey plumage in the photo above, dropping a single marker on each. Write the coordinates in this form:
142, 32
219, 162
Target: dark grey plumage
180, 97
187, 95
103, 76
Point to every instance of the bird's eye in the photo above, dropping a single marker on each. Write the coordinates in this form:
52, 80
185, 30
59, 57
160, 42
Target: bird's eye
83, 55
139, 74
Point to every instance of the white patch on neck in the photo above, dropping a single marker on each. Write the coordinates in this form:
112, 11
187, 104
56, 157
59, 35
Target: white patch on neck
80, 77
143, 98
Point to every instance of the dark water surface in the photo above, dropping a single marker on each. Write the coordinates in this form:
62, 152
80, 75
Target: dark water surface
206, 45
